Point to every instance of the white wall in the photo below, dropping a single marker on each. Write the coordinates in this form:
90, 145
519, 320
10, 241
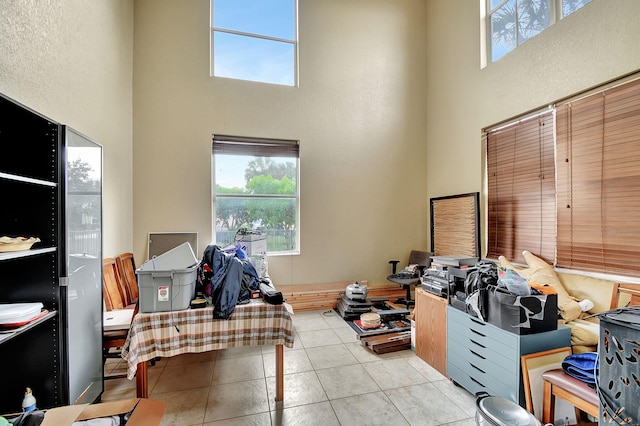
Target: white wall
71, 60
359, 114
594, 45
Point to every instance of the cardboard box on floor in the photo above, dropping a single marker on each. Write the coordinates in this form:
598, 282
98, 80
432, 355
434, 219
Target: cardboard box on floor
146, 412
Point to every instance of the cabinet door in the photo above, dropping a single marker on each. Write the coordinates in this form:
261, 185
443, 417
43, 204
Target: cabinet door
83, 265
431, 329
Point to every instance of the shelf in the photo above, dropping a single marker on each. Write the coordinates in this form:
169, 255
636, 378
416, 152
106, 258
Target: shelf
18, 178
25, 253
6, 335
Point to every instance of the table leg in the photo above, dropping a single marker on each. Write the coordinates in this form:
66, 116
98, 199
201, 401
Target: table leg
142, 385
279, 372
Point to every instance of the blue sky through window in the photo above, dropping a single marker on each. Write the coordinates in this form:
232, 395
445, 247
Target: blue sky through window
273, 18
254, 58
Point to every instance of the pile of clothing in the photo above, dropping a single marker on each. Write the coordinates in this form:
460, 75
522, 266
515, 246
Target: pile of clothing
227, 276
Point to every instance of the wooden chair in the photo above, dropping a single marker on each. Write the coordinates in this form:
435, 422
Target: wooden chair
127, 268
118, 308
559, 384
112, 289
625, 295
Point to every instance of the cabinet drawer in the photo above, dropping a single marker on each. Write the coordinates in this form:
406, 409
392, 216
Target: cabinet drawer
501, 384
483, 344
466, 381
494, 364
468, 322
484, 338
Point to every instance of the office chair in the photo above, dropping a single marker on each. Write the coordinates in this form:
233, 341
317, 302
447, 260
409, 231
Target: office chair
422, 260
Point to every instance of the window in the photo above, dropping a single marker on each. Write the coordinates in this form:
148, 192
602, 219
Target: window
255, 40
256, 188
510, 23
565, 184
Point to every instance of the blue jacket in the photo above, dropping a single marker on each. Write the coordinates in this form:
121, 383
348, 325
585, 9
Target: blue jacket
226, 282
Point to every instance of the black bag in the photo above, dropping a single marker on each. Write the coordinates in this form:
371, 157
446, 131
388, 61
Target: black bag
484, 275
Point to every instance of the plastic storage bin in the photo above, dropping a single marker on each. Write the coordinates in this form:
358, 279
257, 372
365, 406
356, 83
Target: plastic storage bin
168, 282
522, 314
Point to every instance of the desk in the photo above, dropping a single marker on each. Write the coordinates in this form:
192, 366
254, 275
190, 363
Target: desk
119, 319
166, 334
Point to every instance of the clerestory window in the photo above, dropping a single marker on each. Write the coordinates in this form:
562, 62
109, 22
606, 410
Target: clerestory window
255, 40
510, 23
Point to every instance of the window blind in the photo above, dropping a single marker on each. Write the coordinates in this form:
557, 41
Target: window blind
598, 167
258, 147
521, 189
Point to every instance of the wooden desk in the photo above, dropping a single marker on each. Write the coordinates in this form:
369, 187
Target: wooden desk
166, 334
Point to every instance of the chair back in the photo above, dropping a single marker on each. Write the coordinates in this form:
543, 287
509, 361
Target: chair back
127, 268
112, 289
625, 295
420, 258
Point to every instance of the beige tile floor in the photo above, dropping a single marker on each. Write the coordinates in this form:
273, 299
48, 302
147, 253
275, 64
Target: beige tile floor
330, 379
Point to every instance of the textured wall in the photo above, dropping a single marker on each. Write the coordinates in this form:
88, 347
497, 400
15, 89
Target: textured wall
359, 114
71, 60
595, 44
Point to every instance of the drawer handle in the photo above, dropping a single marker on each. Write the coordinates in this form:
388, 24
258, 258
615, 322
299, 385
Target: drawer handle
477, 332
477, 354
479, 369
477, 382
477, 321
473, 341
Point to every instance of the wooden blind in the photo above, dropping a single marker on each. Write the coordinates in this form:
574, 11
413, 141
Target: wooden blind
598, 166
454, 225
521, 189
259, 147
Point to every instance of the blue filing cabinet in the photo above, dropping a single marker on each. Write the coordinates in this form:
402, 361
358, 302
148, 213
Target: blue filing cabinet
483, 357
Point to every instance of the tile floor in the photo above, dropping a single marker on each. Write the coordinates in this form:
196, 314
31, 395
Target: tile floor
330, 379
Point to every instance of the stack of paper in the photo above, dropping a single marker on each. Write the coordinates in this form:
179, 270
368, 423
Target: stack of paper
18, 313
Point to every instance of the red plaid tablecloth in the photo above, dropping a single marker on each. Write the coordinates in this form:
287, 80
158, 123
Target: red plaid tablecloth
166, 334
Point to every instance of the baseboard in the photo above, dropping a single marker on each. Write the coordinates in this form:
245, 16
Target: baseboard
310, 297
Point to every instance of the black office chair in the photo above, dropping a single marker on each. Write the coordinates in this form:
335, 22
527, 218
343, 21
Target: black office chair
422, 260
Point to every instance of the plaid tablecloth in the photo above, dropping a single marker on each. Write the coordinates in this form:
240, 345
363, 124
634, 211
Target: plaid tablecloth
166, 334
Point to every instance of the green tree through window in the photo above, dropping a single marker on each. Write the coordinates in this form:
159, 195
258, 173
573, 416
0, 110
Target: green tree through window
256, 189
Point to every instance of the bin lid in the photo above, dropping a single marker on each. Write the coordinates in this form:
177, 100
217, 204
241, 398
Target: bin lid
503, 412
180, 257
629, 316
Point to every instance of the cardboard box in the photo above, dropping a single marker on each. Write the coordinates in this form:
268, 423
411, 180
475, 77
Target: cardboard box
522, 314
255, 247
146, 412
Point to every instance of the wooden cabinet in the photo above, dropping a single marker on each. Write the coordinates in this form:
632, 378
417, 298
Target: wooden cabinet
430, 316
483, 357
50, 182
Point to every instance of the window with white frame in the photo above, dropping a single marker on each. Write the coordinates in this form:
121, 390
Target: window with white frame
256, 190
512, 22
255, 40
